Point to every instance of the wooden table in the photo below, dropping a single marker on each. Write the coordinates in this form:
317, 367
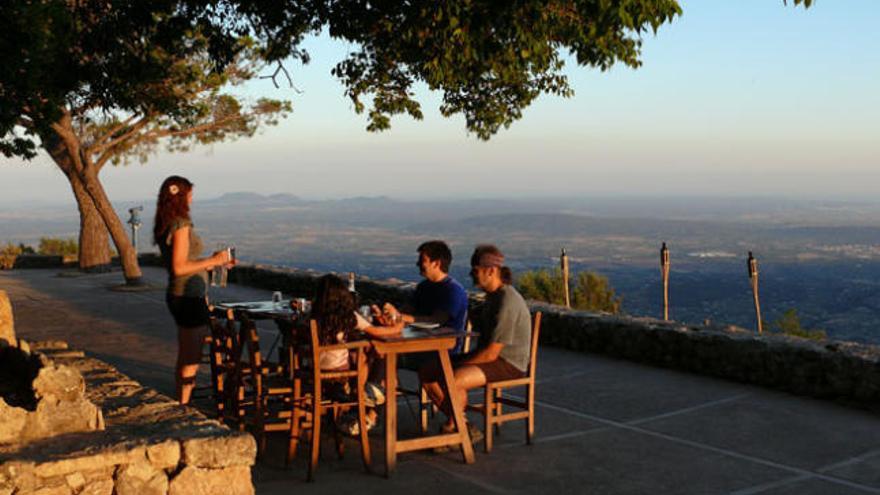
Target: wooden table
412, 340
248, 311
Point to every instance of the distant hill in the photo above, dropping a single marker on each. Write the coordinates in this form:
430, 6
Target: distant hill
562, 224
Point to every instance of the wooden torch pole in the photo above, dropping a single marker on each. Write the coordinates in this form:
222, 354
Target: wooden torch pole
664, 271
753, 278
563, 262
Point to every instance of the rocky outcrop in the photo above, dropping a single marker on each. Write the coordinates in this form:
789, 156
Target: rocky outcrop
54, 403
7, 323
148, 445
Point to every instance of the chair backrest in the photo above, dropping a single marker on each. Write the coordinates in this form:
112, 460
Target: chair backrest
533, 353
315, 344
317, 349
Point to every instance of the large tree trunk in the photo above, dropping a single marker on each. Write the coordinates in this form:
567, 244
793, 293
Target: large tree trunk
94, 245
127, 254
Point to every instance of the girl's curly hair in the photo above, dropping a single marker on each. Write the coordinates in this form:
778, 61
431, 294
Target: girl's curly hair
333, 309
171, 205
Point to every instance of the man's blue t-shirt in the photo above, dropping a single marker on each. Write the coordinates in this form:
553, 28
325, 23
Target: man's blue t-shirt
448, 296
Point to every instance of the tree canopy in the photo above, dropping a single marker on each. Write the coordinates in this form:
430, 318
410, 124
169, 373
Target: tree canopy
489, 59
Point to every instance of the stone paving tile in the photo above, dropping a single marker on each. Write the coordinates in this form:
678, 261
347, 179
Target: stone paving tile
781, 428
625, 391
864, 470
412, 477
813, 487
615, 461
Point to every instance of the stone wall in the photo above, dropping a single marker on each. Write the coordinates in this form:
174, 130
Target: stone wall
843, 371
149, 444
7, 322
41, 399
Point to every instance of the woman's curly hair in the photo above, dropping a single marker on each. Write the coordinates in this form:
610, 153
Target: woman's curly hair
333, 309
171, 205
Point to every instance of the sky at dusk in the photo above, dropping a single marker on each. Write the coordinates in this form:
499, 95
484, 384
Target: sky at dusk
734, 98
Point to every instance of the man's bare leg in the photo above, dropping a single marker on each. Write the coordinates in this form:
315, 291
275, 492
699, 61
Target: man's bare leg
466, 378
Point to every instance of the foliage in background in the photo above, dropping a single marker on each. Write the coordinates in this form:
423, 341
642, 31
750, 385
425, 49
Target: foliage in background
9, 252
15, 250
594, 292
58, 247
790, 324
589, 290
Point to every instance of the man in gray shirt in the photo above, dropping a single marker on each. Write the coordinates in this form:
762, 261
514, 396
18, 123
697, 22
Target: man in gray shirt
504, 325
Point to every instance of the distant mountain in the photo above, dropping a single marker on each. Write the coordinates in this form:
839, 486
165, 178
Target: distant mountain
252, 198
562, 224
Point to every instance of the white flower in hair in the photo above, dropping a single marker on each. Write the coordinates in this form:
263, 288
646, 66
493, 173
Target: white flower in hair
173, 189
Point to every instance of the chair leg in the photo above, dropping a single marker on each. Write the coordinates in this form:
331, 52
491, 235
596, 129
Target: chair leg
530, 421
293, 435
362, 411
296, 416
337, 435
424, 406
498, 410
489, 423
316, 438
259, 416
220, 396
239, 409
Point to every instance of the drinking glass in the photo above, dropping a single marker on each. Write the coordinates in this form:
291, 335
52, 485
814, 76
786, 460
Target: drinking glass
218, 274
366, 312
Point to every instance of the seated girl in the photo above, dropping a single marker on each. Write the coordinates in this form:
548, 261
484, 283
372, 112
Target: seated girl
333, 308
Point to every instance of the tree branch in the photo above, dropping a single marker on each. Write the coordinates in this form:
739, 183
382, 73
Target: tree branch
197, 129
98, 145
133, 129
105, 151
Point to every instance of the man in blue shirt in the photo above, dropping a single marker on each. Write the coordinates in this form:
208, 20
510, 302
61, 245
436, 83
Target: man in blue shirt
439, 298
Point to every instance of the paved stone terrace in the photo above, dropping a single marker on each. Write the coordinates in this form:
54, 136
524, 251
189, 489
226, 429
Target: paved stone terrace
603, 426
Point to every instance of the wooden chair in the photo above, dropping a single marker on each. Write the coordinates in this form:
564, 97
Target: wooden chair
265, 389
220, 350
492, 407
228, 370
310, 405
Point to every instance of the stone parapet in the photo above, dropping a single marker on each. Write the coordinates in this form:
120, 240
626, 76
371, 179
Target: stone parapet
844, 371
148, 445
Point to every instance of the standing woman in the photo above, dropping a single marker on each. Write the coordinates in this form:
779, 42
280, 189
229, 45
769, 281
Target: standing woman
187, 291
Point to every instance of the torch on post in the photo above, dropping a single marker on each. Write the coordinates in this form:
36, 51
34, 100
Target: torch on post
135, 222
664, 272
753, 278
563, 262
